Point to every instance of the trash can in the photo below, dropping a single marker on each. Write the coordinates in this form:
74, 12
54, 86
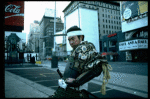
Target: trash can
54, 62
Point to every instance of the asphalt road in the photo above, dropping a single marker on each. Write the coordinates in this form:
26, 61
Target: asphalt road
50, 78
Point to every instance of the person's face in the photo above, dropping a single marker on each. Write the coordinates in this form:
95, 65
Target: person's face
74, 41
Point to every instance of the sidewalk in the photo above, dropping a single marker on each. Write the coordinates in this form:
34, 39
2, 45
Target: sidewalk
18, 87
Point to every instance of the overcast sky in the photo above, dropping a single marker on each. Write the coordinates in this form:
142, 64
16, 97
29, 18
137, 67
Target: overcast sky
34, 10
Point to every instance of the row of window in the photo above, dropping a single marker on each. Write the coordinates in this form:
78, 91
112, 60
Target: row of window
110, 16
97, 3
110, 11
108, 32
111, 27
112, 22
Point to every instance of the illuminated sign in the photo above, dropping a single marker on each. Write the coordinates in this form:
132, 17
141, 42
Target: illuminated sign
133, 44
111, 35
14, 13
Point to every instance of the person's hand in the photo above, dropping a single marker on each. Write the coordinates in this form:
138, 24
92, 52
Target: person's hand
70, 80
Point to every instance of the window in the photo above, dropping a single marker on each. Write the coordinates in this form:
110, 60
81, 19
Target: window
112, 43
104, 31
105, 44
108, 16
111, 16
103, 20
114, 12
102, 10
103, 26
103, 15
109, 32
112, 21
116, 17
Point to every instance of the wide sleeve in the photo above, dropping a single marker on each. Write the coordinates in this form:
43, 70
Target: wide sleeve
86, 53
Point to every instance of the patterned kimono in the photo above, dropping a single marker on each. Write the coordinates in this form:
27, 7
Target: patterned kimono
84, 58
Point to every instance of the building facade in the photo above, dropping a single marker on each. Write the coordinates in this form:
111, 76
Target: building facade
134, 21
46, 42
33, 37
107, 16
110, 47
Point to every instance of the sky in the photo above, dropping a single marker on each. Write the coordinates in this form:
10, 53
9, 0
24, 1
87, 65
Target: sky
34, 10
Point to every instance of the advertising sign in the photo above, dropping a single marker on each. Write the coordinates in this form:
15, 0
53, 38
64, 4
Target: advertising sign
133, 44
133, 12
131, 9
14, 13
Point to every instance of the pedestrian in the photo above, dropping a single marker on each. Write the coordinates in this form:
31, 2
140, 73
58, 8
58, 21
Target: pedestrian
83, 64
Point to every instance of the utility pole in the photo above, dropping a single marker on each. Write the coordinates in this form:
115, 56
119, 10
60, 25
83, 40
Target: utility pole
54, 25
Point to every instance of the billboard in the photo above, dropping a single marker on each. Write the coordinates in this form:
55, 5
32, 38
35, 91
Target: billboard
14, 13
133, 12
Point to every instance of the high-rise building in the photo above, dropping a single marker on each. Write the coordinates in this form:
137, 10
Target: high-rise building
33, 37
107, 13
46, 42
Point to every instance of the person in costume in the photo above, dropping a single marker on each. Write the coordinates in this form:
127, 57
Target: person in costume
83, 64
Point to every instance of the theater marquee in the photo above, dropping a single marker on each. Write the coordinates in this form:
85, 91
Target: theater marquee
133, 44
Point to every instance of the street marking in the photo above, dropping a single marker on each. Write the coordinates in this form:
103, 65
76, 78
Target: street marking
43, 75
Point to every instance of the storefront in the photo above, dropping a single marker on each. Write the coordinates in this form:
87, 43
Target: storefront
110, 47
136, 45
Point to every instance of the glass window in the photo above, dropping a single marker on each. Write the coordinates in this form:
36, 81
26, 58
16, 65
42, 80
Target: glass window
105, 44
104, 31
103, 26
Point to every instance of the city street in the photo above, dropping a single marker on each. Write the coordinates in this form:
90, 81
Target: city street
121, 84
